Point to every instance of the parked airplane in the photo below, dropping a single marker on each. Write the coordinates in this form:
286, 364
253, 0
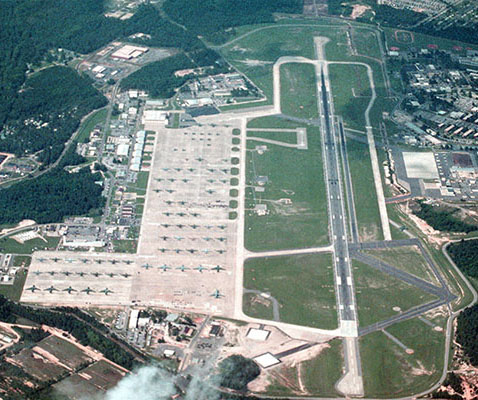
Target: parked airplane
106, 291
164, 268
51, 289
217, 268
88, 290
33, 288
146, 266
182, 268
217, 294
200, 268
69, 289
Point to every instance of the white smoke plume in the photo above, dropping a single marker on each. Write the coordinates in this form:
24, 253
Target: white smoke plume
147, 383
154, 383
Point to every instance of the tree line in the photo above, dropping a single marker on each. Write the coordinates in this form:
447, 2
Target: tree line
442, 220
10, 311
58, 97
465, 256
51, 197
158, 78
213, 19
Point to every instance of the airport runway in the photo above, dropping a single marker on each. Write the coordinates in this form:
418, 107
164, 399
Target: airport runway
337, 217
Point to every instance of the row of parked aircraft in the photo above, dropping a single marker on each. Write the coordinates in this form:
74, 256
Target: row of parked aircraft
194, 226
192, 251
205, 238
85, 260
81, 273
209, 191
69, 289
183, 268
216, 294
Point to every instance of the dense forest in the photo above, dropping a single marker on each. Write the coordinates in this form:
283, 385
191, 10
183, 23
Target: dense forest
51, 197
158, 78
442, 220
9, 311
467, 332
58, 97
211, 18
465, 256
47, 111
237, 371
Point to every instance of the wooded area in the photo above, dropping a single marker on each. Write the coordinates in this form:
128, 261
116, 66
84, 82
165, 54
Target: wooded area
9, 311
442, 220
47, 111
465, 256
211, 18
57, 97
158, 78
51, 197
467, 332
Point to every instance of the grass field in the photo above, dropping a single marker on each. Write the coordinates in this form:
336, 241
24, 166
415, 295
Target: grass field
255, 54
378, 293
421, 40
13, 292
273, 122
303, 285
125, 246
319, 375
89, 124
257, 306
292, 174
284, 137
327, 367
408, 259
8, 245
368, 216
456, 285
389, 372
142, 181
351, 93
22, 261
298, 90
365, 42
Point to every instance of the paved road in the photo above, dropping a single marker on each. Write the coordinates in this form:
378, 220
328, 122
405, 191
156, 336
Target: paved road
439, 291
414, 312
290, 252
348, 185
385, 244
373, 153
